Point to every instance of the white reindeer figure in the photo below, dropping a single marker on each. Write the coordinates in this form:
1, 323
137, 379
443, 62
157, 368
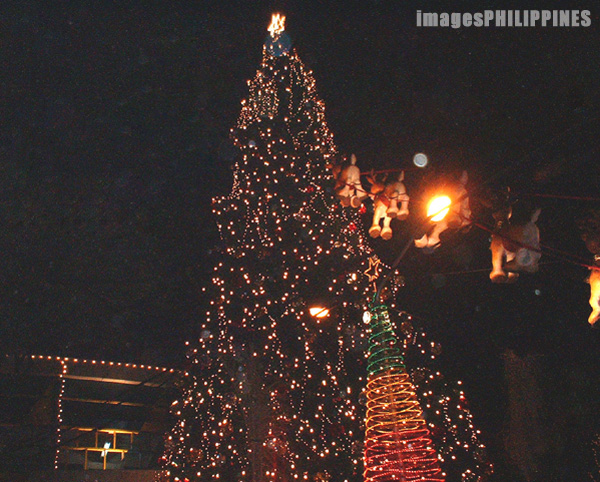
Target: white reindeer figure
348, 187
389, 201
515, 248
458, 216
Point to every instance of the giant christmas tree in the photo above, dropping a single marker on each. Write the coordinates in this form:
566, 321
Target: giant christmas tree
270, 392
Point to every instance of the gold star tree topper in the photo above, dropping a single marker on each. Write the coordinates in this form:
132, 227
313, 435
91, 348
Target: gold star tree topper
277, 25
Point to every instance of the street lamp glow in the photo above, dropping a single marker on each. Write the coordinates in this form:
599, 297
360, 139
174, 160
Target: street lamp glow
318, 311
438, 208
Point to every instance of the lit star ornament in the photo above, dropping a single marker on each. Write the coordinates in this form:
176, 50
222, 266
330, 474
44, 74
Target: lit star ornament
278, 42
277, 25
373, 271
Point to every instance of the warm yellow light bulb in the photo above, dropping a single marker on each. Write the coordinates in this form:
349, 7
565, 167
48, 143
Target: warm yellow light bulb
318, 311
438, 208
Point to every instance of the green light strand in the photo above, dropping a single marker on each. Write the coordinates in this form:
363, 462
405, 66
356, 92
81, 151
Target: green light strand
384, 353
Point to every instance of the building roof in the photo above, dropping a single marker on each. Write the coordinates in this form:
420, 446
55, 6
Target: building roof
76, 414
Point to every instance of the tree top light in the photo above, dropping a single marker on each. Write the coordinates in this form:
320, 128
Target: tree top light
277, 25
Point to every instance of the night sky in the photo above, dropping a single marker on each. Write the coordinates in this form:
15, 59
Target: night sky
115, 137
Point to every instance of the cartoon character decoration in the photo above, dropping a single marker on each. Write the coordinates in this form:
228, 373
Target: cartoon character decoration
348, 187
515, 247
389, 201
458, 216
590, 234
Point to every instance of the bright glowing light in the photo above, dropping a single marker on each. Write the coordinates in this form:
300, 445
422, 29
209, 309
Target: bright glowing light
438, 208
366, 316
420, 160
397, 441
277, 24
318, 312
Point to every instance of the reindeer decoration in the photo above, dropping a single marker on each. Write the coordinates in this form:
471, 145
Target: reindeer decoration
590, 234
459, 215
594, 281
515, 247
389, 201
348, 187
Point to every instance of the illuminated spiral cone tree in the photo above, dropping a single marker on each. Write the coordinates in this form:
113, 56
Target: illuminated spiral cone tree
398, 445
271, 393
